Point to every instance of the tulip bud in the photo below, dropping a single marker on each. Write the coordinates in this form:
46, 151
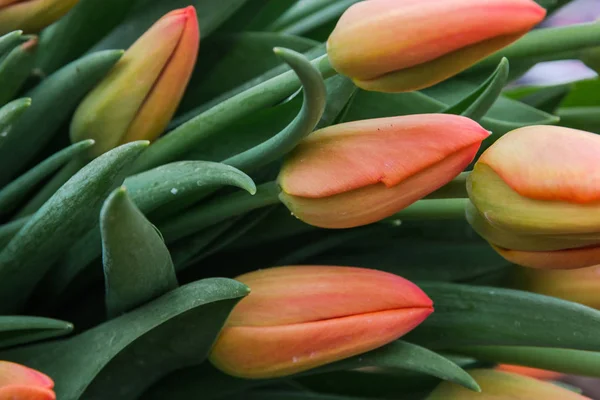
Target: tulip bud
579, 285
31, 16
496, 385
360, 172
138, 98
301, 317
535, 197
537, 373
399, 46
21, 383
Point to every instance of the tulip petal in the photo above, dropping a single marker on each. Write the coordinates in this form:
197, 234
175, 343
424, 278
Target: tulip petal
163, 100
353, 155
289, 295
376, 37
504, 208
17, 374
31, 16
432, 72
265, 352
20, 392
577, 285
503, 385
107, 113
548, 163
537, 373
560, 259
375, 202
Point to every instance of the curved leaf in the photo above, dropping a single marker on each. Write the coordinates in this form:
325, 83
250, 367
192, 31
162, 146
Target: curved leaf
190, 134
469, 315
306, 16
310, 114
71, 212
148, 190
478, 103
137, 264
65, 87
16, 329
10, 40
10, 229
576, 362
127, 354
215, 384
12, 194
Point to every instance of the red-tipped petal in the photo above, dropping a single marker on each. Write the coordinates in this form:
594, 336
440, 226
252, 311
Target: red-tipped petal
21, 392
17, 374
163, 100
537, 373
375, 202
377, 37
548, 163
267, 352
357, 154
295, 294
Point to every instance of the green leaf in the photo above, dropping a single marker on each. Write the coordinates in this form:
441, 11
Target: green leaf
401, 355
584, 118
53, 101
68, 214
583, 94
305, 16
306, 120
10, 229
80, 29
16, 329
340, 92
9, 114
545, 98
12, 194
127, 354
552, 5
148, 190
478, 103
217, 210
191, 134
10, 40
15, 67
545, 44
575, 362
210, 13
137, 264
288, 395
468, 315
220, 70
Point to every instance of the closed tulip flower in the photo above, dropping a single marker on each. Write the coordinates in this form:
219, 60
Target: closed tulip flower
18, 382
497, 385
31, 16
399, 46
535, 197
537, 373
301, 317
580, 285
360, 172
159, 64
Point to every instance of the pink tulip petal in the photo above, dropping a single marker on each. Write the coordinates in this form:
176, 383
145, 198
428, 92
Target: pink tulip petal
20, 392
548, 163
17, 374
357, 154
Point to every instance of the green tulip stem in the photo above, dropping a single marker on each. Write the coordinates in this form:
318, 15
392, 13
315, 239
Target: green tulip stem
436, 209
455, 189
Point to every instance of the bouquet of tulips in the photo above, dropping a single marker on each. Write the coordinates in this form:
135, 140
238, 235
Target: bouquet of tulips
325, 200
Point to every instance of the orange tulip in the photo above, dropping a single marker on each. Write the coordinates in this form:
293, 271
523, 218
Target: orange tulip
301, 317
139, 96
18, 382
580, 285
31, 16
360, 172
497, 385
535, 197
399, 46
537, 373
